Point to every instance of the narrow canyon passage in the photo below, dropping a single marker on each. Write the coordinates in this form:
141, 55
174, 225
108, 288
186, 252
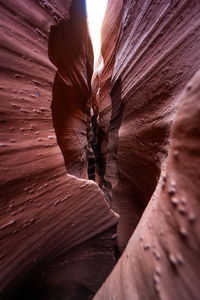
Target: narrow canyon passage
129, 122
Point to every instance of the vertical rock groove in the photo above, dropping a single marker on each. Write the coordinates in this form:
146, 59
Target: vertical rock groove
70, 50
102, 79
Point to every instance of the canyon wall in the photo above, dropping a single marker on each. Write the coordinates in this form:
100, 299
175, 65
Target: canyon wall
60, 233
161, 260
56, 229
153, 54
153, 148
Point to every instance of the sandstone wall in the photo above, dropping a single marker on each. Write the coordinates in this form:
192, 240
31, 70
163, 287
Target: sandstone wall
46, 211
152, 152
57, 228
161, 260
147, 66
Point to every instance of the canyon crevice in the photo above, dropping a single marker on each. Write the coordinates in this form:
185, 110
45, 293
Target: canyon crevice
134, 120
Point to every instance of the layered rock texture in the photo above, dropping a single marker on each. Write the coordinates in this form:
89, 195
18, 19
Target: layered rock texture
45, 211
59, 237
147, 161
154, 53
161, 260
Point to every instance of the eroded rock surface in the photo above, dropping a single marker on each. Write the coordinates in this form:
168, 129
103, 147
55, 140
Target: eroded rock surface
161, 260
45, 212
58, 236
150, 162
70, 50
156, 54
102, 78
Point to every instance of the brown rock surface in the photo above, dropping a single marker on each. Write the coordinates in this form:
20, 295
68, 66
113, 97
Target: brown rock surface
157, 52
70, 50
161, 260
110, 34
45, 212
57, 231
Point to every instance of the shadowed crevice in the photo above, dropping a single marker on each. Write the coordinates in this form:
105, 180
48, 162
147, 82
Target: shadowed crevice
70, 50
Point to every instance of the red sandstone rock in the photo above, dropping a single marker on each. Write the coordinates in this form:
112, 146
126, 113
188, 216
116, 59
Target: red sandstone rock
161, 260
157, 52
57, 232
70, 50
110, 33
45, 212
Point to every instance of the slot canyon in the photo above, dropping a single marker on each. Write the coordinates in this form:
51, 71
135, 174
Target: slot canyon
100, 163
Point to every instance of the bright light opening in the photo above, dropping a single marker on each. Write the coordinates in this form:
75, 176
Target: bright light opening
96, 11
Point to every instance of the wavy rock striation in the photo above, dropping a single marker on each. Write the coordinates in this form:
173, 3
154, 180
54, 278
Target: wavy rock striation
161, 260
58, 236
46, 213
152, 149
70, 50
147, 66
102, 77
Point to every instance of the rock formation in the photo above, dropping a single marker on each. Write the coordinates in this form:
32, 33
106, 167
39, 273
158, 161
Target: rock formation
59, 237
46, 212
156, 54
161, 260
